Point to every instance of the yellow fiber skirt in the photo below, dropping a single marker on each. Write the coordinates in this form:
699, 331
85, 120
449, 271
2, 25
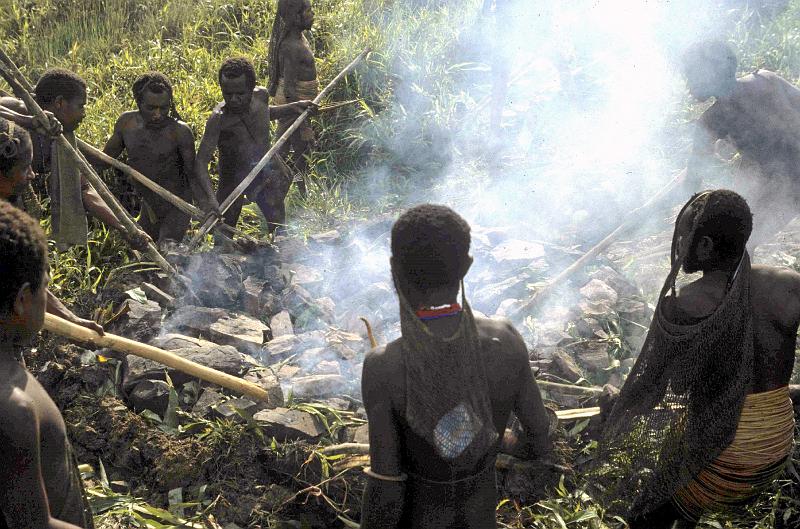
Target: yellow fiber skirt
755, 458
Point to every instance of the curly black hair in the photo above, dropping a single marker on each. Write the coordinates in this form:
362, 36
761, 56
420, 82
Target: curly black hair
59, 82
430, 246
713, 56
726, 219
157, 83
236, 67
15, 142
24, 251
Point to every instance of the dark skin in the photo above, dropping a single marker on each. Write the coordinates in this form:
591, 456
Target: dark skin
70, 112
13, 183
759, 114
162, 149
33, 466
297, 64
393, 452
239, 128
775, 298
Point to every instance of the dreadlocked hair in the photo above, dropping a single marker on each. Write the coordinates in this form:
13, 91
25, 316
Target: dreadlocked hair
711, 55
236, 67
727, 221
287, 11
24, 251
59, 82
157, 83
430, 244
15, 142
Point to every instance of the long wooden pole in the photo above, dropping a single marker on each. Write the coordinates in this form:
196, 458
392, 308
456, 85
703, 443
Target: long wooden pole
179, 203
569, 388
13, 77
632, 218
234, 196
80, 334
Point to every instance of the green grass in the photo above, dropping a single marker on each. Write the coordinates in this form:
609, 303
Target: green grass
410, 88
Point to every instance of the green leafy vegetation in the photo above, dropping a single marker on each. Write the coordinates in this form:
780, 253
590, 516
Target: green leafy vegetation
416, 52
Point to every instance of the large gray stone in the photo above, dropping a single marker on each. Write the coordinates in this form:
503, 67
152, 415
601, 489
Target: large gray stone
598, 298
289, 425
267, 380
237, 410
251, 296
221, 326
150, 395
281, 324
141, 322
281, 347
220, 357
316, 386
208, 399
566, 366
304, 275
592, 355
216, 279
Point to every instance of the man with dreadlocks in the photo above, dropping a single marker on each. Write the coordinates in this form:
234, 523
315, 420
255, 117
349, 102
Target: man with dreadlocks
439, 397
239, 128
40, 486
161, 147
704, 420
63, 93
759, 114
293, 75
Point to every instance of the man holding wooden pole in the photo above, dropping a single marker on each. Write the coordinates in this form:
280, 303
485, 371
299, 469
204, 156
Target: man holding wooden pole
40, 485
239, 129
71, 196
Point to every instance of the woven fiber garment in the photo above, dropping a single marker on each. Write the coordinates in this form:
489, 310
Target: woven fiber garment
680, 406
447, 392
764, 440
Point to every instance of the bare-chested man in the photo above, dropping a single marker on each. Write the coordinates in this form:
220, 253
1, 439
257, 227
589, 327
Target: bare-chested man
439, 398
760, 115
161, 147
64, 94
40, 486
709, 392
239, 128
16, 153
293, 75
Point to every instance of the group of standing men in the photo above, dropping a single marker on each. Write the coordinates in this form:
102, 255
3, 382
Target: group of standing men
162, 147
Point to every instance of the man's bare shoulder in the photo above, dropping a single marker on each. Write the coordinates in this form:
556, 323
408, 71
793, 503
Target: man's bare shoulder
182, 130
129, 120
499, 336
18, 414
775, 279
14, 104
381, 368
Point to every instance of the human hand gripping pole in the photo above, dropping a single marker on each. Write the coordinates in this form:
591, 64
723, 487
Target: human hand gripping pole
12, 75
234, 196
80, 334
